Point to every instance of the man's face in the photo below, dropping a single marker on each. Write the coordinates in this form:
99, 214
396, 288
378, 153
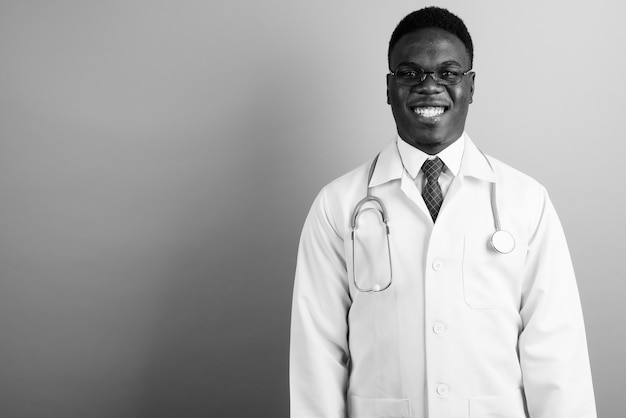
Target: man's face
417, 109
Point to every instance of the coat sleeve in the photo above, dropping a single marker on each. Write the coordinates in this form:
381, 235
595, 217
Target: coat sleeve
318, 359
552, 344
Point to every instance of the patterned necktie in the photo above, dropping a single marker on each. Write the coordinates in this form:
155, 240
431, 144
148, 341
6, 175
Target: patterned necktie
432, 191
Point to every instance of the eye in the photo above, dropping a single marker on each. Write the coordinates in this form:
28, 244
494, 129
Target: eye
408, 73
448, 74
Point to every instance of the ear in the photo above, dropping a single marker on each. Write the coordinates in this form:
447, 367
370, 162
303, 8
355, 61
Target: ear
472, 78
388, 82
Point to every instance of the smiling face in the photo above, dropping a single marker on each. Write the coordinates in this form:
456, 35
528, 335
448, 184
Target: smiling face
430, 116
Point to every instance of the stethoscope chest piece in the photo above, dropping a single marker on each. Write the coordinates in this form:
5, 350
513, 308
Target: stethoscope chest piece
502, 241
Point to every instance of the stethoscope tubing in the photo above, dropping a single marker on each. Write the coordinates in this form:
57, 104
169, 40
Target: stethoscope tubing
382, 211
501, 241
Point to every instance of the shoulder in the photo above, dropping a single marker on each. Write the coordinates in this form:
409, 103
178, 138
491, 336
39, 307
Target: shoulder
348, 183
336, 200
522, 194
512, 176
344, 191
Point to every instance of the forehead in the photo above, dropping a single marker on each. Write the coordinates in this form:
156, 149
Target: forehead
428, 47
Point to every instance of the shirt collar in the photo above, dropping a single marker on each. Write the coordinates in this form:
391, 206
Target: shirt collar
472, 163
414, 158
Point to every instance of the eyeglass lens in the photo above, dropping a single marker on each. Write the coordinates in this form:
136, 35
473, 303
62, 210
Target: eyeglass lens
414, 76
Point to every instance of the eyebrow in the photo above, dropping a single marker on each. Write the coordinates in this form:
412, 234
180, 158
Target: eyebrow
414, 64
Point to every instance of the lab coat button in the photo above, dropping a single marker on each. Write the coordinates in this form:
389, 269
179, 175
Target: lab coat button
442, 389
439, 328
438, 265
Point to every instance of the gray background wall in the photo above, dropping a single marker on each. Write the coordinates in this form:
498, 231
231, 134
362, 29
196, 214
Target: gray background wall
157, 160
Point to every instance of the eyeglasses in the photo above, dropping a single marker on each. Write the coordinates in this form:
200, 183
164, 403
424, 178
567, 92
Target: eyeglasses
445, 76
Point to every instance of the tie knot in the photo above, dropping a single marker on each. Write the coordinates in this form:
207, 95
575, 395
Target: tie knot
432, 168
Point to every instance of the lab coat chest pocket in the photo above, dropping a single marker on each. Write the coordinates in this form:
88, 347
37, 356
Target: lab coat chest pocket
491, 280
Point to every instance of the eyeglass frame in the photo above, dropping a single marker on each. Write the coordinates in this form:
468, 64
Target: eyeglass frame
433, 75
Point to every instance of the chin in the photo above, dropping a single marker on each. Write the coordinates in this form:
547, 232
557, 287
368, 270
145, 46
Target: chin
429, 141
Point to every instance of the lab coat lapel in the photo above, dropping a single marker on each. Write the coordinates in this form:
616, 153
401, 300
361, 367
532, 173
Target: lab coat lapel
407, 185
389, 167
473, 164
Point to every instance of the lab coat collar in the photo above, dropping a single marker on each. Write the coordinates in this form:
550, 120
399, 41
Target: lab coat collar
475, 163
413, 158
389, 165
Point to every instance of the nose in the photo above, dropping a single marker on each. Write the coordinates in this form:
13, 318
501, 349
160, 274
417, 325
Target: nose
429, 73
429, 84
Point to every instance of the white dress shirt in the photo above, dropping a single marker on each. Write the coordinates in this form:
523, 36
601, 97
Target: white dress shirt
413, 159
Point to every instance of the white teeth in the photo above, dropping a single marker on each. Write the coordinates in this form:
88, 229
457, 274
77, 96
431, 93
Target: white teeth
429, 112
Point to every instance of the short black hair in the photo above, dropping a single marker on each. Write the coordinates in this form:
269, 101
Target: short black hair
432, 17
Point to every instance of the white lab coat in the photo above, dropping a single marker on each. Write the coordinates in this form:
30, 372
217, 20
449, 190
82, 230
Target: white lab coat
462, 331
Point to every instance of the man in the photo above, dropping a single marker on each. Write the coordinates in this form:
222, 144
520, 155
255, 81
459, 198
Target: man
436, 319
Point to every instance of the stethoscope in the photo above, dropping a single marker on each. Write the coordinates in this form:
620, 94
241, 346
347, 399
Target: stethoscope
501, 241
